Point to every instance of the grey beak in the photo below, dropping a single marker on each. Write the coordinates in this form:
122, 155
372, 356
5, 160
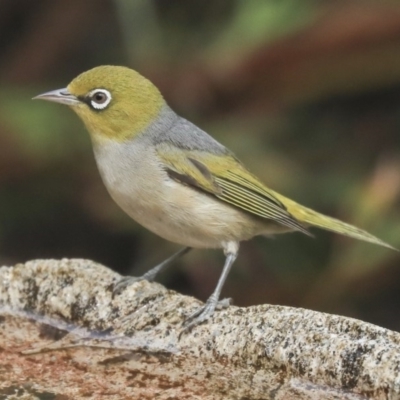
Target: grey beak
62, 96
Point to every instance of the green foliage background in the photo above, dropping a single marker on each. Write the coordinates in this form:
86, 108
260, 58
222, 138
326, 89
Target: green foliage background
306, 93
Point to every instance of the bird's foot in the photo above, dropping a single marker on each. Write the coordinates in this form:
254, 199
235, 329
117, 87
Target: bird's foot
126, 281
149, 275
205, 312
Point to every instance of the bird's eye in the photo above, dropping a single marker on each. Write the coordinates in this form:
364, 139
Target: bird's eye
99, 98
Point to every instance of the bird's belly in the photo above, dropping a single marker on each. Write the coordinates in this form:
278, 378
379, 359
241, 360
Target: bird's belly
188, 217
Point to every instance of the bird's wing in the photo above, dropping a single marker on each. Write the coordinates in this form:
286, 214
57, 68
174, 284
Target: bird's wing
227, 179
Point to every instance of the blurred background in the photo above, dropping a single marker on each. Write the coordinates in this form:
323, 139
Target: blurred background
306, 93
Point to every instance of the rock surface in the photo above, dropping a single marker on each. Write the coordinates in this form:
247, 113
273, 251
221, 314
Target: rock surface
64, 336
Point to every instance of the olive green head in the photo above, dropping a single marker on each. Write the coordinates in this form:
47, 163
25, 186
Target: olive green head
113, 102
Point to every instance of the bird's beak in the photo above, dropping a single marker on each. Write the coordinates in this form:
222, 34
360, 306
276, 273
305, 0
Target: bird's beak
62, 96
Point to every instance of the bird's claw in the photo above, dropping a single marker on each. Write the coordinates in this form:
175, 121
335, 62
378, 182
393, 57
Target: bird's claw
124, 282
149, 275
203, 313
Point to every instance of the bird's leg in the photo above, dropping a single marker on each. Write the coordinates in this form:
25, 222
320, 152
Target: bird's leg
203, 313
151, 274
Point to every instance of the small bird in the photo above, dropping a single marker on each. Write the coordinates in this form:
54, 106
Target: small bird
175, 179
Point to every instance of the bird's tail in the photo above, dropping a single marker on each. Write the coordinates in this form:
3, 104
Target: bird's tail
313, 218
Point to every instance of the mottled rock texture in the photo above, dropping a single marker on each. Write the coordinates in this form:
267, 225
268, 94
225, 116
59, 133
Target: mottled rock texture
64, 336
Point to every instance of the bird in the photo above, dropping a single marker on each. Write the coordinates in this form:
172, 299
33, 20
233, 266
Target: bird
175, 179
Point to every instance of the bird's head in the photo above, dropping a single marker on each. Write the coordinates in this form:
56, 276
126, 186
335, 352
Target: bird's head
114, 102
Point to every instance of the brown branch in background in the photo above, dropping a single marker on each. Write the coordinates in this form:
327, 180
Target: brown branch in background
350, 47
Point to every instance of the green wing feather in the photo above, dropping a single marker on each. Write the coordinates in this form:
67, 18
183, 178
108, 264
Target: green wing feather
311, 217
226, 179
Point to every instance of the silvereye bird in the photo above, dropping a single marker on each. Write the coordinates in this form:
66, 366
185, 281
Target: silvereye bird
175, 179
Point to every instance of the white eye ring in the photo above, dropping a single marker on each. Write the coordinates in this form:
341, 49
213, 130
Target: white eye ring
103, 98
